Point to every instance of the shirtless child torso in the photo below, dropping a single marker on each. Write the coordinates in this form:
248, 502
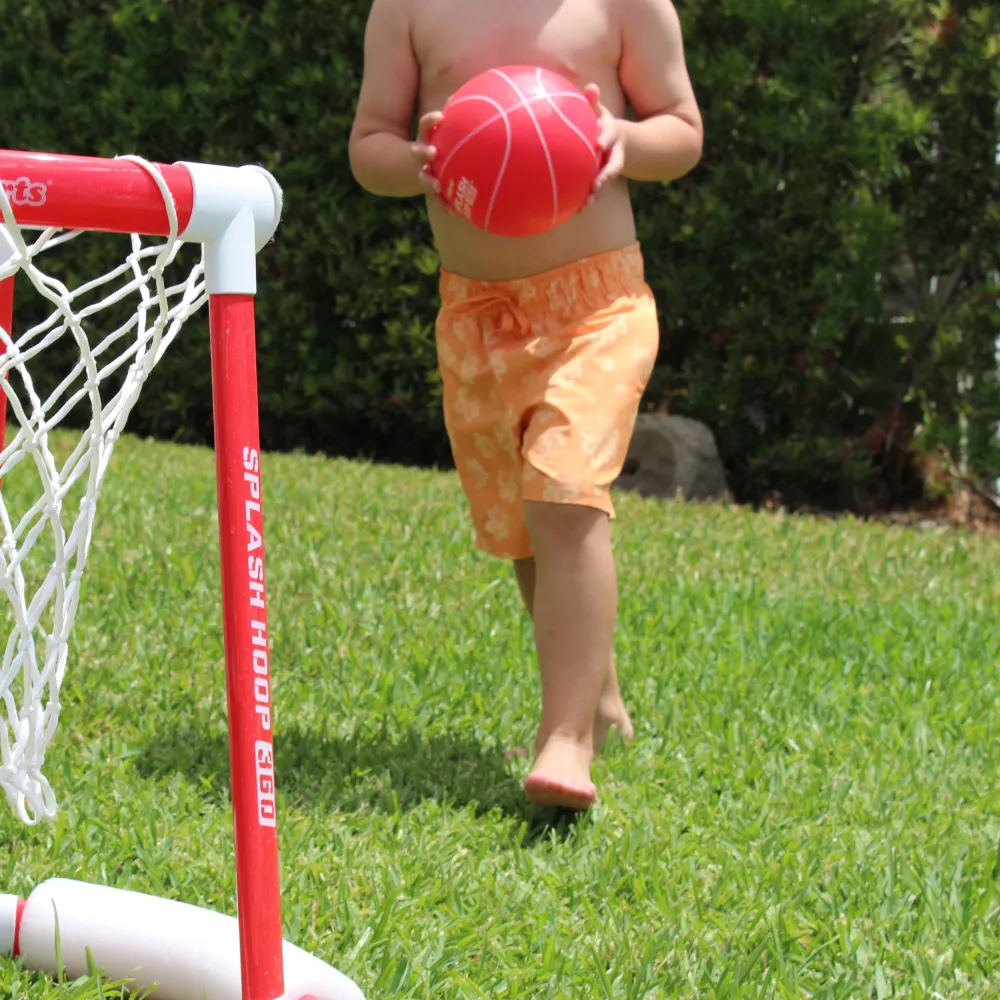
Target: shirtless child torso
545, 343
419, 52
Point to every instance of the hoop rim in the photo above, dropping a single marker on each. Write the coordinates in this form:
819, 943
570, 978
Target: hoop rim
122, 195
93, 193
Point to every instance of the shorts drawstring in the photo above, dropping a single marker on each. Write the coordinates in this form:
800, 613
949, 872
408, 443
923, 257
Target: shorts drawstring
513, 316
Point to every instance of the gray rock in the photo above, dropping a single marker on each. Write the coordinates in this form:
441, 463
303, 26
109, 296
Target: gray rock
670, 455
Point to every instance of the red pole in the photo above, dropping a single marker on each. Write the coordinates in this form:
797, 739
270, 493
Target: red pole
90, 192
241, 530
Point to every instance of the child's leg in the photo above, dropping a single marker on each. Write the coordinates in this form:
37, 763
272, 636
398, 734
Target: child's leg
575, 606
542, 380
611, 709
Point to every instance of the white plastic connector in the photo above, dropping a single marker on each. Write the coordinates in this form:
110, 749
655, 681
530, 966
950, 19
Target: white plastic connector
8, 924
236, 211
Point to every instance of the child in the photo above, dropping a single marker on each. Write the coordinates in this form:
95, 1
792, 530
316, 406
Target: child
546, 343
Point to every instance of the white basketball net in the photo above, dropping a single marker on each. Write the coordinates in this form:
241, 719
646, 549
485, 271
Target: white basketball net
43, 592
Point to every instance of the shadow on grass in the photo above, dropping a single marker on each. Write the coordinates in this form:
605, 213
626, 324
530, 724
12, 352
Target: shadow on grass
375, 771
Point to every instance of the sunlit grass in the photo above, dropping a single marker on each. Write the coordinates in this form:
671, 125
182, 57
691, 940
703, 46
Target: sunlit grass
809, 809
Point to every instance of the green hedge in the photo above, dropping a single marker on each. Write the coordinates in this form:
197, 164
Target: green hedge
850, 169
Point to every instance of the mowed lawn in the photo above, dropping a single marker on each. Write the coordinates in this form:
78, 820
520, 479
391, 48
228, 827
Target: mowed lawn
810, 808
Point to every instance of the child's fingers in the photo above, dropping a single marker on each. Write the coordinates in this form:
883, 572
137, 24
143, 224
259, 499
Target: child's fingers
593, 94
427, 124
612, 168
423, 151
609, 133
432, 188
429, 181
616, 161
423, 154
424, 157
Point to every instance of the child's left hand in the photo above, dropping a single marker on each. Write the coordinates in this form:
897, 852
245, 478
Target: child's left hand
611, 140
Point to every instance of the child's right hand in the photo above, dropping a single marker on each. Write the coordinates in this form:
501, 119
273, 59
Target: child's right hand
424, 153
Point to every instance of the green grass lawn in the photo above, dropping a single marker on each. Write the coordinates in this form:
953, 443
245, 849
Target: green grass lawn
810, 807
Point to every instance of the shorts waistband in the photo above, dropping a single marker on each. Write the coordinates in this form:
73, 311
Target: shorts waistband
576, 288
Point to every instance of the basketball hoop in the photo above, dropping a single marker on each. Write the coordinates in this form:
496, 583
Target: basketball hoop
232, 212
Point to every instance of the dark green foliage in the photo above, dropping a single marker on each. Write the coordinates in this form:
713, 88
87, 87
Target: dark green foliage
826, 277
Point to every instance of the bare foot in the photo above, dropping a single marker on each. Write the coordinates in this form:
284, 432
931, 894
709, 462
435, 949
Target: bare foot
612, 712
561, 776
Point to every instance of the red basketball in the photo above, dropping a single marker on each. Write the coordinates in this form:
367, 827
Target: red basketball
517, 150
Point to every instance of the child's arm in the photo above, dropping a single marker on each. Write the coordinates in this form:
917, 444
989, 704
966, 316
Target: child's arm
384, 159
665, 140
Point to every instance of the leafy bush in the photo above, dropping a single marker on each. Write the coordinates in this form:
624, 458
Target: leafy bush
849, 170
826, 277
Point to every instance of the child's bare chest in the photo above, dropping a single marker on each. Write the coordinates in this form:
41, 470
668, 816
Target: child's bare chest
456, 39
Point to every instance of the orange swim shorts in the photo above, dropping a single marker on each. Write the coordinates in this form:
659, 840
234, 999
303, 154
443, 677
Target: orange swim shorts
542, 380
